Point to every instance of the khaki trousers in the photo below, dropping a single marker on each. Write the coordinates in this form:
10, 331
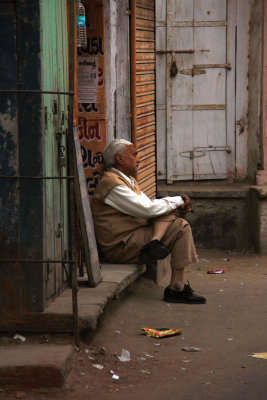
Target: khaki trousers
178, 238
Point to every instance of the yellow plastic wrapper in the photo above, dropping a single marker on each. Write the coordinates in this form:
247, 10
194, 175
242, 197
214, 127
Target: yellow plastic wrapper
161, 333
259, 355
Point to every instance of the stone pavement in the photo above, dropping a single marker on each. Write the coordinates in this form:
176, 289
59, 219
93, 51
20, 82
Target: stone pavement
232, 318
46, 365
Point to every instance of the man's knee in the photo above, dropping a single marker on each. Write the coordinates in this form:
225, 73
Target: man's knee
178, 228
180, 224
170, 217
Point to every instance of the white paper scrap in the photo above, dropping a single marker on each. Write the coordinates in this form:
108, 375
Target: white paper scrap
125, 356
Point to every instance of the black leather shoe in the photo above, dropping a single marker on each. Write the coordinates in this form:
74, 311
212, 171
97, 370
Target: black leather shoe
185, 296
152, 251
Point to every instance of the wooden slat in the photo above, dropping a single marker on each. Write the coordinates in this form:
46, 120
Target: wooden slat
146, 141
145, 68
144, 121
85, 217
145, 35
145, 13
145, 89
146, 3
144, 24
146, 182
147, 173
145, 57
145, 99
144, 78
145, 46
146, 152
146, 109
146, 162
148, 130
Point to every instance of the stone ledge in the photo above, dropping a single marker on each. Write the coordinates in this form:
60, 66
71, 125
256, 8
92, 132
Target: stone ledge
202, 190
91, 303
35, 365
261, 191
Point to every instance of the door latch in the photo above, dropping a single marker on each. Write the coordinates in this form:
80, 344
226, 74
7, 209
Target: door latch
61, 156
201, 151
58, 231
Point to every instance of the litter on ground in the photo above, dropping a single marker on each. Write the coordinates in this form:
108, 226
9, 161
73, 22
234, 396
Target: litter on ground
98, 366
125, 356
19, 337
259, 355
162, 332
191, 349
216, 271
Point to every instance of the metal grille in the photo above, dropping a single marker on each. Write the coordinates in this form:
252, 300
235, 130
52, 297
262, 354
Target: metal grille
145, 95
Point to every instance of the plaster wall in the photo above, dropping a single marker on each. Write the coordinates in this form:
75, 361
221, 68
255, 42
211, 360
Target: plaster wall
255, 79
258, 218
221, 214
220, 223
117, 44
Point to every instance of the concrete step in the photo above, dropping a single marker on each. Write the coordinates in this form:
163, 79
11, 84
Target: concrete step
58, 317
35, 365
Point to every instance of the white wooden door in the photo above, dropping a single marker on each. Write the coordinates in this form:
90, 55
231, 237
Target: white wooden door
195, 45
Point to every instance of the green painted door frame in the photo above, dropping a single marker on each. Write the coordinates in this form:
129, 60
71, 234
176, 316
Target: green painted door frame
54, 54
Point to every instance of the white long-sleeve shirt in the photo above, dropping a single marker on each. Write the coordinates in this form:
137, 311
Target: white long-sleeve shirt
125, 200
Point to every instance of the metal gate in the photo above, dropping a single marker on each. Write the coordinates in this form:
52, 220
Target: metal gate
195, 46
143, 73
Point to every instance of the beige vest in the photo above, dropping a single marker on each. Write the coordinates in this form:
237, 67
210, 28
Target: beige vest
112, 226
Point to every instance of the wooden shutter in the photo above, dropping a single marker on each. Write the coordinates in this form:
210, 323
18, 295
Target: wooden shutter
143, 92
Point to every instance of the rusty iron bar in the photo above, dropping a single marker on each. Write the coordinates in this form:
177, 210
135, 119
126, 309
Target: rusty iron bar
73, 66
34, 91
174, 51
36, 177
133, 70
75, 313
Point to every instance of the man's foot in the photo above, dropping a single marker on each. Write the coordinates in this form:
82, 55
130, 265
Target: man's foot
154, 250
184, 296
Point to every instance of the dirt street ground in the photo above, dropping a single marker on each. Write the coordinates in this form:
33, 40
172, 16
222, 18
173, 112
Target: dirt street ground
228, 329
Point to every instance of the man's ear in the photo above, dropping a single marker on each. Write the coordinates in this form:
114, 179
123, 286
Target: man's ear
119, 158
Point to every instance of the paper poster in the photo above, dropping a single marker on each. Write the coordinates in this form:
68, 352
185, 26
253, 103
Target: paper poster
87, 79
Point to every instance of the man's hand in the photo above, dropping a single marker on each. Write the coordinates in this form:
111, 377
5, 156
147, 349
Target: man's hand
187, 206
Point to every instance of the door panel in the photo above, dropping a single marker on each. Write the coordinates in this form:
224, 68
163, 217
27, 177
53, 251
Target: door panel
209, 88
209, 126
209, 10
183, 123
194, 36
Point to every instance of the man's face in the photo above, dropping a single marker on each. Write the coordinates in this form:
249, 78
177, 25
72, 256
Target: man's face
129, 161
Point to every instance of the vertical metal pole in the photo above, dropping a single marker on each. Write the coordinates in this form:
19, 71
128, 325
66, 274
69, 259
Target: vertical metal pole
76, 332
169, 122
73, 121
264, 91
133, 70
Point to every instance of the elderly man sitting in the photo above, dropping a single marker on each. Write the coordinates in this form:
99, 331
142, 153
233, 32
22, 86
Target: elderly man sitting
131, 228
